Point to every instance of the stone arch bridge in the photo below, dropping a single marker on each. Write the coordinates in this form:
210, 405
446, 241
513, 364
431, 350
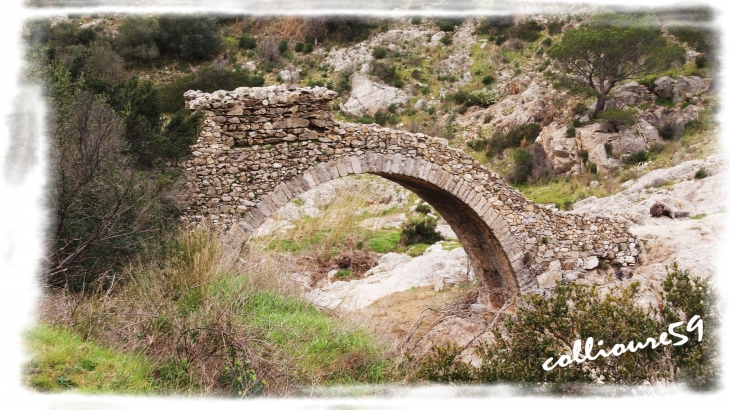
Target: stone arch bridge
262, 147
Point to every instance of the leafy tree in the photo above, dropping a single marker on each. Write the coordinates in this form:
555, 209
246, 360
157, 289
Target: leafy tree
136, 39
596, 57
188, 37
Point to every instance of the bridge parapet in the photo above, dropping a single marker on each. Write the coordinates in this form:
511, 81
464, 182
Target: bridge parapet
262, 147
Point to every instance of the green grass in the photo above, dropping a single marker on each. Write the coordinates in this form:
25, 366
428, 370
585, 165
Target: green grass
561, 191
343, 273
383, 241
451, 245
699, 216
61, 360
417, 249
320, 343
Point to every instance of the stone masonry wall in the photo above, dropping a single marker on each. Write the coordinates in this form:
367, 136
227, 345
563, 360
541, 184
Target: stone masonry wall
262, 147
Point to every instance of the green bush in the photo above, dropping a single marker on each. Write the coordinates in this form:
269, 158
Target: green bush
135, 39
308, 48
545, 327
247, 42
522, 168
207, 79
420, 230
380, 52
701, 174
584, 155
513, 138
483, 97
494, 26
570, 132
423, 208
446, 40
615, 118
528, 31
591, 168
478, 145
637, 157
282, 46
445, 25
488, 80
609, 149
416, 20
388, 73
299, 47
190, 38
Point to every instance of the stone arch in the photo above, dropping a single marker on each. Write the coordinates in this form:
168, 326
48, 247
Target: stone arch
480, 230
262, 147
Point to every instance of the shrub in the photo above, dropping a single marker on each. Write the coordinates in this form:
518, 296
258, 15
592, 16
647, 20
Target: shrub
670, 131
555, 26
308, 47
483, 97
592, 168
584, 155
423, 208
494, 26
547, 42
207, 79
247, 42
420, 230
380, 52
446, 40
445, 25
299, 47
190, 38
701, 174
544, 324
637, 157
282, 46
615, 118
700, 62
522, 168
416, 20
135, 39
488, 80
609, 149
416, 74
528, 31
513, 138
388, 73
570, 132
579, 109
478, 145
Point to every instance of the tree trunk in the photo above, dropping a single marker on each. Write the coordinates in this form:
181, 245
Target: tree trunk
600, 104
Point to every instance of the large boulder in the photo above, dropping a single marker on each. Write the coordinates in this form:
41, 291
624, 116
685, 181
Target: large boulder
562, 154
681, 88
630, 94
289, 75
369, 97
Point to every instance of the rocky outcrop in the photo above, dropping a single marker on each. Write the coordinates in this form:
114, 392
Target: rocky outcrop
529, 105
289, 75
680, 88
369, 97
395, 273
562, 153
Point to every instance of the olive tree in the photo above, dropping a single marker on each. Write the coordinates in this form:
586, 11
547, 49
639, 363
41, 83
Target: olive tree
596, 57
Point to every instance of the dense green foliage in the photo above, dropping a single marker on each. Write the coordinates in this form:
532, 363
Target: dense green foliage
113, 190
420, 230
547, 326
522, 168
513, 138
